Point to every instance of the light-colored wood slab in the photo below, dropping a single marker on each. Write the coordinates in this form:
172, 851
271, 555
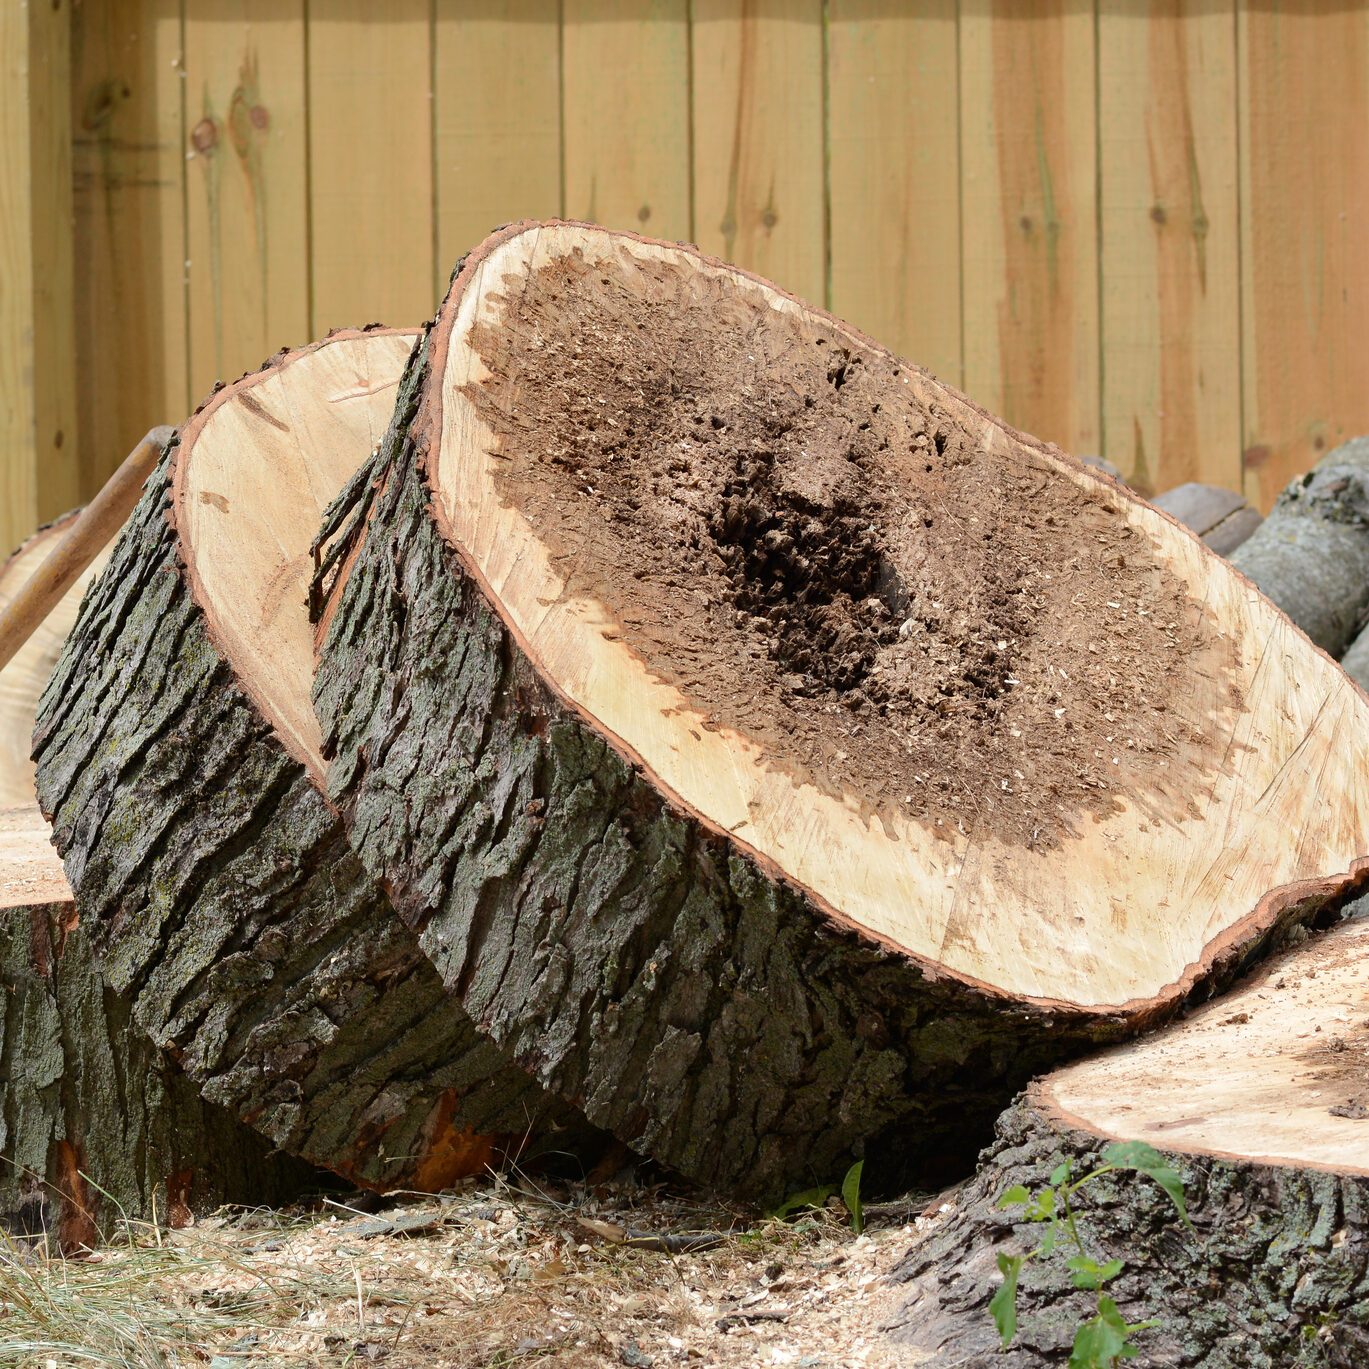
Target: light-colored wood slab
304, 424
23, 678
1257, 1074
1146, 897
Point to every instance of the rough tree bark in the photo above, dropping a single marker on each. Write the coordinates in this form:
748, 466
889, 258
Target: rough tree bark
95, 1124
1311, 555
1259, 1101
647, 557
22, 680
215, 883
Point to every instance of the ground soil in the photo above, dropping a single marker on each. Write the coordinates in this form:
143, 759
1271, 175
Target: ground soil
502, 1272
818, 561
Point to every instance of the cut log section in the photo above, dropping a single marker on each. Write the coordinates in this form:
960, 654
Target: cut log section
1311, 555
1261, 1101
95, 1125
1222, 518
773, 748
22, 680
178, 755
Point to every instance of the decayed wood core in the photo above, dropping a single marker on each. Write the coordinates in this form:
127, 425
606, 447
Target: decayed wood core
248, 489
22, 680
1276, 1072
978, 701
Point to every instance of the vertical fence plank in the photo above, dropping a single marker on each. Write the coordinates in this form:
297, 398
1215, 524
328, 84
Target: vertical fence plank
128, 169
1029, 168
1170, 250
498, 118
370, 162
18, 469
894, 177
38, 472
246, 189
758, 138
626, 81
55, 433
1304, 217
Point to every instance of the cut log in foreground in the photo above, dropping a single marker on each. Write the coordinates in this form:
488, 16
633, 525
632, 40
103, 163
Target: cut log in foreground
1261, 1101
178, 754
22, 680
772, 748
1311, 555
96, 1125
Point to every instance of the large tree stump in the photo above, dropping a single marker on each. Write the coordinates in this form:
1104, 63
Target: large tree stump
774, 750
95, 1124
22, 680
1260, 1100
178, 755
1311, 555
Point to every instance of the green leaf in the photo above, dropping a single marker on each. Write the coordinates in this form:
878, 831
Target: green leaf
1090, 1274
1101, 1340
850, 1195
810, 1197
1043, 1209
1060, 1174
1144, 1159
1047, 1246
1010, 1197
1003, 1304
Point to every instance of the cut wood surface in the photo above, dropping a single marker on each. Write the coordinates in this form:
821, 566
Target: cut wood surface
1261, 1101
22, 680
177, 753
1311, 555
770, 745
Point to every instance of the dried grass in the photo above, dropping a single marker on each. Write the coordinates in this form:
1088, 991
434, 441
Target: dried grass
501, 1273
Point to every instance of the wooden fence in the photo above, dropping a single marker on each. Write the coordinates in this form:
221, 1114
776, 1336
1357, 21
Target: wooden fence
1131, 226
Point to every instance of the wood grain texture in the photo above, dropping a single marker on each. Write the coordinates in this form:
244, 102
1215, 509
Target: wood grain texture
758, 139
37, 378
246, 195
18, 475
1169, 242
55, 382
497, 116
129, 171
626, 83
894, 175
1027, 105
370, 162
1304, 94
